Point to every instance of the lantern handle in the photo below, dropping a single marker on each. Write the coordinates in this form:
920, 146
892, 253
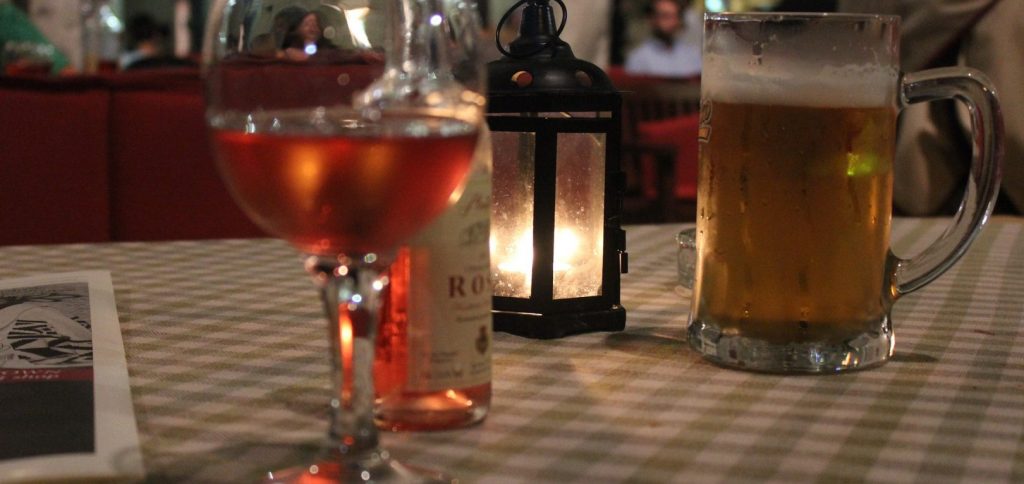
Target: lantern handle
505, 17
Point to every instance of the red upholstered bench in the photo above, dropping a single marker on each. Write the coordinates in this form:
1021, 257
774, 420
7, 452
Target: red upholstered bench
124, 156
54, 160
164, 181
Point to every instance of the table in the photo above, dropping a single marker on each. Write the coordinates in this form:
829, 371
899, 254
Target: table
228, 374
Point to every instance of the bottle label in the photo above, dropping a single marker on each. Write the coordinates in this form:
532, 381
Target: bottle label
449, 305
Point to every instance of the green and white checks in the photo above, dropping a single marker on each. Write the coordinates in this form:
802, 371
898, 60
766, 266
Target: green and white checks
227, 357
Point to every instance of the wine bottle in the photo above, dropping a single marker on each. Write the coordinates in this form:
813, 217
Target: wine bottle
433, 359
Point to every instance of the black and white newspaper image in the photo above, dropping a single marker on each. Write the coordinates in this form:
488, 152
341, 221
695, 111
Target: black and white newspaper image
61, 359
45, 327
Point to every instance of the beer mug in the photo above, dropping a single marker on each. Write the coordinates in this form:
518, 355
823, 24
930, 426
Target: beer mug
798, 124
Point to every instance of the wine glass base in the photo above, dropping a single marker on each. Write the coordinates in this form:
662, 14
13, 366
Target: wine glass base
376, 466
830, 354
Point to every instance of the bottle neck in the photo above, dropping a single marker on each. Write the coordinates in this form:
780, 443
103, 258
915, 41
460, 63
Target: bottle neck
418, 45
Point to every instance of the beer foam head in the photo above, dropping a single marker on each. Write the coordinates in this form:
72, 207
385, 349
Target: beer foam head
732, 80
814, 60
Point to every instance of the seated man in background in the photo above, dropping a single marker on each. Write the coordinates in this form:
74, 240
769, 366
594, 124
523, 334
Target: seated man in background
145, 40
670, 51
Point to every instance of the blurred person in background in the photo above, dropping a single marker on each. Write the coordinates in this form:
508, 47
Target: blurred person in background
305, 37
271, 44
672, 50
16, 30
146, 40
149, 43
933, 147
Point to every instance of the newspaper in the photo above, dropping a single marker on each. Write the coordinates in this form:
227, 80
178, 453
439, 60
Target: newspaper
65, 403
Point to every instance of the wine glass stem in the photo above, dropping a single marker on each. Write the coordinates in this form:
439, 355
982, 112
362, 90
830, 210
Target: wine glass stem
350, 290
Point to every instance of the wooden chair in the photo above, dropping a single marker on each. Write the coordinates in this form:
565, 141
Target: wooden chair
660, 122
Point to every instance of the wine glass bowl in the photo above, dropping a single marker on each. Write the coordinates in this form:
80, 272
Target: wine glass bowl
343, 128
336, 183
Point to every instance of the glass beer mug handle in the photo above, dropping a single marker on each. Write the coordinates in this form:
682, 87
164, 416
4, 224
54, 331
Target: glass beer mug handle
976, 92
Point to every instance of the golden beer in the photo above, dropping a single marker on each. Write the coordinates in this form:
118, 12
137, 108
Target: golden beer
798, 126
793, 220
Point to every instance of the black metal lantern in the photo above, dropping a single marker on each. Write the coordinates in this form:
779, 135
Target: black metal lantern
557, 246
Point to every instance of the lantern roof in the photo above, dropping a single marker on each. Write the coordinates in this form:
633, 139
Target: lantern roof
539, 62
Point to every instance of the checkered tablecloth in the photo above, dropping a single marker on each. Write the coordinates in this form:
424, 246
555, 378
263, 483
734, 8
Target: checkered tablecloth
228, 372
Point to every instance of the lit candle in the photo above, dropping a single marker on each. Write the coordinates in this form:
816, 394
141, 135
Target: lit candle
519, 260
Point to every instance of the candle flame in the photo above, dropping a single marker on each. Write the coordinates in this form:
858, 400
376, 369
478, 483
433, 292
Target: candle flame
567, 245
345, 338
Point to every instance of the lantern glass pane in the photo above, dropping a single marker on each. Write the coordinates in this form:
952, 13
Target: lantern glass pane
512, 213
579, 215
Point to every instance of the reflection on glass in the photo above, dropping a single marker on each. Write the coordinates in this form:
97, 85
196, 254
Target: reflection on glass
355, 18
512, 213
579, 215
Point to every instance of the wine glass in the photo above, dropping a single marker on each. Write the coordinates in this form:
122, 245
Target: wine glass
344, 127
